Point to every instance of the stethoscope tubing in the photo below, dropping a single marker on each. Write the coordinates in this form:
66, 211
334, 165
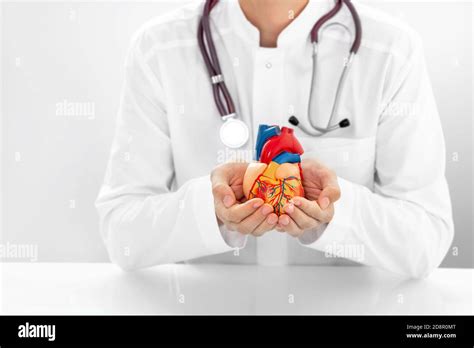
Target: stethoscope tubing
222, 97
211, 61
339, 89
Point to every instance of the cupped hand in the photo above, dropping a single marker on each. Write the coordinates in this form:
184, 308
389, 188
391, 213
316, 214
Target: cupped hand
317, 207
232, 209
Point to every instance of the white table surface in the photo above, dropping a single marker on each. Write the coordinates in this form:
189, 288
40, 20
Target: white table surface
100, 288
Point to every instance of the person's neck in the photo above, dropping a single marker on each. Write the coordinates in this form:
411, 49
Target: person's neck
270, 17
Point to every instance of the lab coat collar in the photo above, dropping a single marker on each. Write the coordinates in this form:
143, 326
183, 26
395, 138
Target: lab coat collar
296, 32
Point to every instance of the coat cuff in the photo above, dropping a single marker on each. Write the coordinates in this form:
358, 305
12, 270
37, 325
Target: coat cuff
216, 239
206, 219
234, 239
336, 231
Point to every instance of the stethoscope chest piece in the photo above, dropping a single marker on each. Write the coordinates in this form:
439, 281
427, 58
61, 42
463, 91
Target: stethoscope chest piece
234, 133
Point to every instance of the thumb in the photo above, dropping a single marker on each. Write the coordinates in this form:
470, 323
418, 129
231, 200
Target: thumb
223, 193
328, 195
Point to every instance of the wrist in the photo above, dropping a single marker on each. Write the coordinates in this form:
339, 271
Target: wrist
313, 234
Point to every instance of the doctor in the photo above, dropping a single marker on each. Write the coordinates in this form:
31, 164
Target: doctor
172, 190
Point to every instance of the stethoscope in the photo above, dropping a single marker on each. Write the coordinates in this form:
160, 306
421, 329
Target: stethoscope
234, 133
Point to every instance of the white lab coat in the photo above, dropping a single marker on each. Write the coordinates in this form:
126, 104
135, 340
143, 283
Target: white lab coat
156, 204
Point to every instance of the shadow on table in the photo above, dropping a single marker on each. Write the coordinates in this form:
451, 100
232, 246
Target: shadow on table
229, 289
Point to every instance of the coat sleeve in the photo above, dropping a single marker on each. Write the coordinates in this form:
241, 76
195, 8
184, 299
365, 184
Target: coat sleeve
405, 223
142, 221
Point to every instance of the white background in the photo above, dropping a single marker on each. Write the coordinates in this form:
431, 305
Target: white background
53, 165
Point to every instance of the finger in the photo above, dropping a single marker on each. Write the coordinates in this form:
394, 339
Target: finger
330, 194
302, 220
288, 225
238, 212
267, 225
251, 222
279, 228
223, 195
227, 174
310, 208
313, 209
331, 191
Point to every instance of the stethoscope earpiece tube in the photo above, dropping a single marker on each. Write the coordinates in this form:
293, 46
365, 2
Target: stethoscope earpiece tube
323, 20
293, 120
344, 123
358, 26
317, 131
318, 28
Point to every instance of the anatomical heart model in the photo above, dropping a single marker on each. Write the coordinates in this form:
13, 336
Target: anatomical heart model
276, 177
